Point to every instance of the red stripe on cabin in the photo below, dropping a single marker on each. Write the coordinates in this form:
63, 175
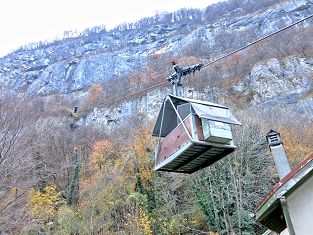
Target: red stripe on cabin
174, 140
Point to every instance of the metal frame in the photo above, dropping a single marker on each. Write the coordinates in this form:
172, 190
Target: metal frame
159, 138
284, 205
180, 119
161, 127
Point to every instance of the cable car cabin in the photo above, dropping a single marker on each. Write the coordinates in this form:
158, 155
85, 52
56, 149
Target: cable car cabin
192, 134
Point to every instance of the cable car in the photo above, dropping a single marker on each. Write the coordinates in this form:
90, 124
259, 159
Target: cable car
192, 134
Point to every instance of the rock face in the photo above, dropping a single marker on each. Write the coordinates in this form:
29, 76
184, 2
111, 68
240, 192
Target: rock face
71, 65
271, 83
111, 117
275, 79
71, 76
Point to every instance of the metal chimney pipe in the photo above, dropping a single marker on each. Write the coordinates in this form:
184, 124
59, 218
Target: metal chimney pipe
278, 152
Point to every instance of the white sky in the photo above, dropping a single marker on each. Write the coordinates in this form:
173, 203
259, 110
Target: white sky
25, 21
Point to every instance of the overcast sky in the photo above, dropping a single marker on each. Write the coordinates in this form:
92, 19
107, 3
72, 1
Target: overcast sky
24, 21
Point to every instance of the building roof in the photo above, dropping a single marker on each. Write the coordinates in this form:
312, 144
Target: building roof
167, 122
269, 211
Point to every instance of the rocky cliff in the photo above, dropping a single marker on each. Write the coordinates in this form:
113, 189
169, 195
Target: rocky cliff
69, 66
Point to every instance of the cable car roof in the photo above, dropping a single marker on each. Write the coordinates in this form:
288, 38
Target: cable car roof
203, 109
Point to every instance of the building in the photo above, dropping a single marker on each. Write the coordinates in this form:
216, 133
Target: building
288, 207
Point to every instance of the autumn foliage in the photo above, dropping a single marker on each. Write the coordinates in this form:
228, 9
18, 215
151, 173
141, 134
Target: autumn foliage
58, 178
44, 204
298, 145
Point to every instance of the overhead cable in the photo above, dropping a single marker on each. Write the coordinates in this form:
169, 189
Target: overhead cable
112, 100
258, 40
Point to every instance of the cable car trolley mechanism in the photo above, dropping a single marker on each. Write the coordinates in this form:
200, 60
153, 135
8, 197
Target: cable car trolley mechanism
192, 134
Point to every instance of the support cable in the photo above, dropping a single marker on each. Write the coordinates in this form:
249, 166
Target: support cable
258, 40
120, 96
175, 77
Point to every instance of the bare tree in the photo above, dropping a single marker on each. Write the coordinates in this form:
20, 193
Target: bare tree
16, 146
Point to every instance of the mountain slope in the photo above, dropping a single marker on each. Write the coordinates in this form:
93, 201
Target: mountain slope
73, 64
96, 165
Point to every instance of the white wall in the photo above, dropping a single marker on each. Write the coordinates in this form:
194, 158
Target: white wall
300, 205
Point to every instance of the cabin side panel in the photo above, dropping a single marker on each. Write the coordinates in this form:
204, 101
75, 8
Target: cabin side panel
174, 140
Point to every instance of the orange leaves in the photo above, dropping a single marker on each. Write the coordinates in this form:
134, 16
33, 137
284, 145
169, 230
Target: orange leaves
298, 144
121, 161
136, 79
115, 172
102, 155
144, 145
95, 95
95, 90
93, 166
102, 151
